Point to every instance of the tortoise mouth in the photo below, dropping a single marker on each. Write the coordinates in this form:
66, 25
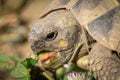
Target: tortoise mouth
48, 58
54, 58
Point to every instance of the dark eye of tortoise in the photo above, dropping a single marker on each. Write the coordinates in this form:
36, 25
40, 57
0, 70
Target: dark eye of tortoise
51, 36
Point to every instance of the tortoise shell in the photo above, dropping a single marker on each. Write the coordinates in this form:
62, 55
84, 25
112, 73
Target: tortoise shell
101, 18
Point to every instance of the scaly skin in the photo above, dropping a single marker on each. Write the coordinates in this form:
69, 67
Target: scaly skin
104, 63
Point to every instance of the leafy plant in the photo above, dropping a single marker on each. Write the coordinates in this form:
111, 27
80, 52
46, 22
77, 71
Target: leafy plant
18, 69
21, 69
71, 71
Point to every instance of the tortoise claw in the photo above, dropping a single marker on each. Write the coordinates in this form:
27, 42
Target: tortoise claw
83, 62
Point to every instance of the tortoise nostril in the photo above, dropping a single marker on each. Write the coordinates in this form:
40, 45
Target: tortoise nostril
51, 36
36, 46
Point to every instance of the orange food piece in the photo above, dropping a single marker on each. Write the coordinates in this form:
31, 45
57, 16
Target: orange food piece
46, 56
52, 54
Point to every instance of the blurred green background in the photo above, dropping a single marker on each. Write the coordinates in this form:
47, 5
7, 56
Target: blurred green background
16, 18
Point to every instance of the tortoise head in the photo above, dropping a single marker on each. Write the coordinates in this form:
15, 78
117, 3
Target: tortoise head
57, 32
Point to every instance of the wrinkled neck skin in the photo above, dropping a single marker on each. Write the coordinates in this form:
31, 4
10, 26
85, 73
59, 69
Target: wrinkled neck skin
58, 31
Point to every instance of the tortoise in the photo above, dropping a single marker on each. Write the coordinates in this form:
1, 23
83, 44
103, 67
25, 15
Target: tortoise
85, 32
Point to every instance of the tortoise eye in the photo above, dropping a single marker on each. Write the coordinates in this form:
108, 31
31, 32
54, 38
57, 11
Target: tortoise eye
51, 36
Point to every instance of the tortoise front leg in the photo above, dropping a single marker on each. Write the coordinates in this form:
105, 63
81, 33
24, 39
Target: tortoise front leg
103, 62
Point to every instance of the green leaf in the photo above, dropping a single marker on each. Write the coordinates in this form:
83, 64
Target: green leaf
21, 72
24, 78
29, 62
47, 76
15, 59
73, 67
4, 58
90, 75
6, 62
59, 72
